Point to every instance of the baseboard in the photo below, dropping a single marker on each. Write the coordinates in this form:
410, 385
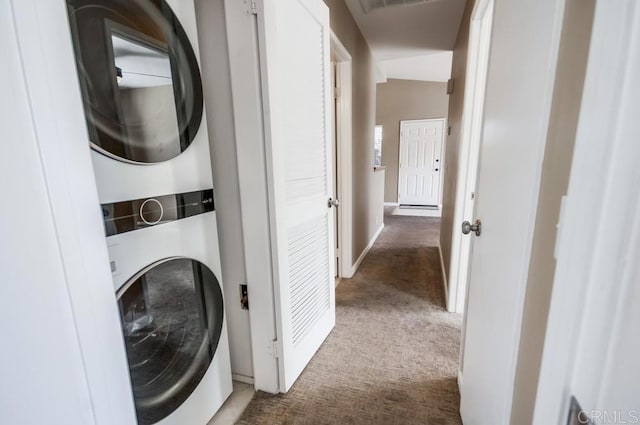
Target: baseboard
444, 277
242, 378
391, 204
415, 212
366, 250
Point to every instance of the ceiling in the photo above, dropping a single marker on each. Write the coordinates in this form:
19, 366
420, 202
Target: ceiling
409, 40
432, 67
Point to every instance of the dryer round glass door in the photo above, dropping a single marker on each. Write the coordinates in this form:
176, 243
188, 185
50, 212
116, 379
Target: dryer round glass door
139, 78
172, 314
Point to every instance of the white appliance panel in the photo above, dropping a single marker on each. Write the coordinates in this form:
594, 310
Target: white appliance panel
194, 238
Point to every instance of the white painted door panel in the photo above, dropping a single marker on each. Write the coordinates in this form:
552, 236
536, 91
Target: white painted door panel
420, 162
294, 38
516, 116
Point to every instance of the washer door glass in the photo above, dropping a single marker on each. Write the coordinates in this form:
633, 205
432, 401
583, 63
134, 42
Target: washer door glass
172, 314
139, 78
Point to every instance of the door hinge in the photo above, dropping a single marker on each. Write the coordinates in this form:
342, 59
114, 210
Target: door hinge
250, 7
336, 92
244, 296
274, 349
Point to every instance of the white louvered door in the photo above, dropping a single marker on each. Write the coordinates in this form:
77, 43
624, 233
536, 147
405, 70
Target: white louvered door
294, 49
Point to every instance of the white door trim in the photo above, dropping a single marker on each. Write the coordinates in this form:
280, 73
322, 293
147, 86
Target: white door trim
596, 233
242, 36
471, 129
343, 128
442, 154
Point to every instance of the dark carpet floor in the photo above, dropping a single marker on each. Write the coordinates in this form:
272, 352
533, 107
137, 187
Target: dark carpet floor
392, 356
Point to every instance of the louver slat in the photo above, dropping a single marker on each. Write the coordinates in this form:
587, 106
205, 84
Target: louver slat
308, 269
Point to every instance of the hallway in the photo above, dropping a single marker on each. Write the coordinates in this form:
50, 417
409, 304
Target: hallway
392, 357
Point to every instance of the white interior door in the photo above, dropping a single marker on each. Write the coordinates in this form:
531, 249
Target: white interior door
294, 48
474, 90
420, 162
516, 117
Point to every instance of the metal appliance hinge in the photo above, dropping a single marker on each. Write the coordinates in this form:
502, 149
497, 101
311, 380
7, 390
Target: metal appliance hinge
274, 349
251, 7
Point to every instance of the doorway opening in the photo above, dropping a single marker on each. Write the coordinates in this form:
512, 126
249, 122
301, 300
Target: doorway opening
420, 164
341, 79
471, 130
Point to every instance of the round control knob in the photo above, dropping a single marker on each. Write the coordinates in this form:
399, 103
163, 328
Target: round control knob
151, 211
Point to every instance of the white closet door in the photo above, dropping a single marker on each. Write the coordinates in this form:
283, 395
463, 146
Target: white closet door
294, 50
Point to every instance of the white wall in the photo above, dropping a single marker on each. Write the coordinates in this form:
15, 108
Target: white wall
565, 109
591, 345
43, 380
62, 359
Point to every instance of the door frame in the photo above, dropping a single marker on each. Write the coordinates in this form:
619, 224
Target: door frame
249, 127
442, 155
508, 226
471, 130
344, 116
595, 267
248, 124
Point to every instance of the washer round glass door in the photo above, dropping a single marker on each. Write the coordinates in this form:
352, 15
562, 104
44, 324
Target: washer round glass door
139, 78
172, 315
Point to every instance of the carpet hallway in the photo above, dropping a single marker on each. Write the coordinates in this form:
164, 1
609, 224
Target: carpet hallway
392, 357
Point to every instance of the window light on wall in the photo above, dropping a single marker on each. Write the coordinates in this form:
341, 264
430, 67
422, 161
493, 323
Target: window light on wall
377, 146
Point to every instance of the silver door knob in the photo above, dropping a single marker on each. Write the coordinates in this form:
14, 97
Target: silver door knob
333, 203
475, 227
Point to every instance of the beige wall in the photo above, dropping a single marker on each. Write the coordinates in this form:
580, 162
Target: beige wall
570, 73
399, 100
456, 99
366, 188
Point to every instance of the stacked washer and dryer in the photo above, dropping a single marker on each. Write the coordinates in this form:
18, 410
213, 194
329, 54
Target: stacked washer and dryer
143, 99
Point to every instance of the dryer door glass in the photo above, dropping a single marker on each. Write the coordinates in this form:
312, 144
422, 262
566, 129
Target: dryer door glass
139, 78
172, 315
